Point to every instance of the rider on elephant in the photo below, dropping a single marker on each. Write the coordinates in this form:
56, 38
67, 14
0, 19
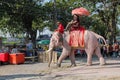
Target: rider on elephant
60, 28
60, 31
74, 24
75, 30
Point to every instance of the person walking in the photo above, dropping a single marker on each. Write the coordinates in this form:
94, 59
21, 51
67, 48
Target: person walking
29, 48
115, 49
14, 49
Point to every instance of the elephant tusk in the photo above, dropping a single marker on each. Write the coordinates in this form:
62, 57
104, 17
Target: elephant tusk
48, 50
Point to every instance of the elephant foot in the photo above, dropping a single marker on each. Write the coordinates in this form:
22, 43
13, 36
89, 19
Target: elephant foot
101, 64
74, 65
102, 61
58, 65
88, 64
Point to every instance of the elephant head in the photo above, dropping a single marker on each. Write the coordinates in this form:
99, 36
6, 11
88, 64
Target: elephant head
54, 42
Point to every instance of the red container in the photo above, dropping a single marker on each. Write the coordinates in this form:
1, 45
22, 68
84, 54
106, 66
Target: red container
4, 57
17, 58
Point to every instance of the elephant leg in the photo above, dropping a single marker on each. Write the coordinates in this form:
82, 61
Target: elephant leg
98, 53
89, 60
72, 58
61, 58
89, 56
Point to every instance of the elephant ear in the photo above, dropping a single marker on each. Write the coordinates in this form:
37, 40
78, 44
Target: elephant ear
58, 38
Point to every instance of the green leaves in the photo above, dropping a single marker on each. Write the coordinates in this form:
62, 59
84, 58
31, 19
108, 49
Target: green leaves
31, 15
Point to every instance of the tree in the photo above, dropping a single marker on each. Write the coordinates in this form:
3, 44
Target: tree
108, 11
32, 15
23, 13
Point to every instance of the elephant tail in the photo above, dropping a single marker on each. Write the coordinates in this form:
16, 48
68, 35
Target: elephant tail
99, 36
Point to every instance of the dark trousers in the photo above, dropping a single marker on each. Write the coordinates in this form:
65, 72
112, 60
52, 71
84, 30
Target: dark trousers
28, 53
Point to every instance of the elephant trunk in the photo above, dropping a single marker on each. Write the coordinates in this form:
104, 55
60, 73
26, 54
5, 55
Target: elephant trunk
50, 51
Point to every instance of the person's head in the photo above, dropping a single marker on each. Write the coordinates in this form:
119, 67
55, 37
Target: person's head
76, 18
58, 22
60, 27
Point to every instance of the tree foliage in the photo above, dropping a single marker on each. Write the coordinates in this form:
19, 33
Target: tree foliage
28, 16
21, 16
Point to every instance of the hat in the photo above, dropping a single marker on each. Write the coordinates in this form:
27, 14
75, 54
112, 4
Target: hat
80, 11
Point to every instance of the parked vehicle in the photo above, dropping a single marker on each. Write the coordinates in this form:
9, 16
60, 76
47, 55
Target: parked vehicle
43, 37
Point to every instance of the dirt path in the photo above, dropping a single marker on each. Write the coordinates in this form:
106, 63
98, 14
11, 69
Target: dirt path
40, 71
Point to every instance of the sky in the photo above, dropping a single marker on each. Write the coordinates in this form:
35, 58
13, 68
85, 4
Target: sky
46, 0
45, 31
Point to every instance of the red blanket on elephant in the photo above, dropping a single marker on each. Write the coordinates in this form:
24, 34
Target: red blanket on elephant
77, 37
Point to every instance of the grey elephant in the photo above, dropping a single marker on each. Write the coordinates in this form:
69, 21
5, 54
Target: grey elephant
91, 47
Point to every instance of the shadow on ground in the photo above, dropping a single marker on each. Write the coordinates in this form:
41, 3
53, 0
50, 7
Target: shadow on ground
20, 76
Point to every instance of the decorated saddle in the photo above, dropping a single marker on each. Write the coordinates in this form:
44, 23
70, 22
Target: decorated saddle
77, 37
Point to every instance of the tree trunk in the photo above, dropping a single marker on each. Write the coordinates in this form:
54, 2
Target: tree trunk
27, 22
114, 22
33, 34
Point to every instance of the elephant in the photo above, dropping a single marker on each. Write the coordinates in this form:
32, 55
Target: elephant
91, 47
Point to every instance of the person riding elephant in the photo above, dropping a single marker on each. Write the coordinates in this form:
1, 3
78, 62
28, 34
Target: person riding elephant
74, 24
75, 29
60, 28
60, 31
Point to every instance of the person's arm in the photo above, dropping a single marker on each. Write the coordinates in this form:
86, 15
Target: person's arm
72, 23
69, 25
76, 24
